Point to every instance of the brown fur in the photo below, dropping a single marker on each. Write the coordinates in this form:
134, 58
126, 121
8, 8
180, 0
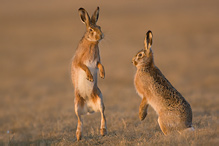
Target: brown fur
85, 64
173, 110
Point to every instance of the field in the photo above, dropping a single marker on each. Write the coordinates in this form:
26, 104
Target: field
39, 38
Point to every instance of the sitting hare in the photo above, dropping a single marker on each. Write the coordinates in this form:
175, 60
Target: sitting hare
85, 65
174, 112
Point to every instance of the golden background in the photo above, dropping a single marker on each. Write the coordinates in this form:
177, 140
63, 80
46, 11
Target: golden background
39, 38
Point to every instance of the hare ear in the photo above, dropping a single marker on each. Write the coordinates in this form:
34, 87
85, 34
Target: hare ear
95, 16
84, 16
148, 40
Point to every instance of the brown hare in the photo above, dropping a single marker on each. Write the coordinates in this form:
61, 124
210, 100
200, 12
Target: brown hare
85, 66
174, 112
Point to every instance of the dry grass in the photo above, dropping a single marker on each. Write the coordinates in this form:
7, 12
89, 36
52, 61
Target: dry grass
38, 39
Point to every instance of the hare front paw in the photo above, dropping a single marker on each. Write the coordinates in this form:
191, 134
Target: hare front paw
90, 77
142, 114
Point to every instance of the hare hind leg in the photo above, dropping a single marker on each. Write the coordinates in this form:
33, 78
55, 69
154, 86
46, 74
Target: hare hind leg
79, 128
163, 126
79, 107
103, 128
98, 99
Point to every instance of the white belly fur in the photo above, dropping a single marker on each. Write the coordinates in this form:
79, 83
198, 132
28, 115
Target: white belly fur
85, 87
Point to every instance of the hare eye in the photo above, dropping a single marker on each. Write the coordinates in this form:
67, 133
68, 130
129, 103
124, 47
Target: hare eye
91, 29
139, 55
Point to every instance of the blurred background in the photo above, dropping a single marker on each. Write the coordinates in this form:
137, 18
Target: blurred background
39, 38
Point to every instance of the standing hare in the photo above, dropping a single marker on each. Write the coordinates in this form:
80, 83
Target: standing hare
174, 112
84, 68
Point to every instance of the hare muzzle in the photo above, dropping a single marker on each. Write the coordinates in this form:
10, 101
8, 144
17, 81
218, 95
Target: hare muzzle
134, 62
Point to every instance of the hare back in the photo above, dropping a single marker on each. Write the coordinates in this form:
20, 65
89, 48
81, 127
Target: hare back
84, 86
160, 94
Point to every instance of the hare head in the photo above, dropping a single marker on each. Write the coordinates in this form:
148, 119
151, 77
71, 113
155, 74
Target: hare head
93, 32
145, 56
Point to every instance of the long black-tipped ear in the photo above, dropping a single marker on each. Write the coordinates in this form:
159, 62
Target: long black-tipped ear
148, 40
84, 16
95, 16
